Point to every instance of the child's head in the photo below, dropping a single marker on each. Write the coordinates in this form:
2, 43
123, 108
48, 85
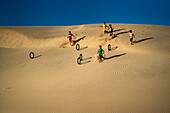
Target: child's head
69, 32
104, 22
110, 25
130, 31
100, 46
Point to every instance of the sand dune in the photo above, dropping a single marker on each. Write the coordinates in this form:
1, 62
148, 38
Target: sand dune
132, 79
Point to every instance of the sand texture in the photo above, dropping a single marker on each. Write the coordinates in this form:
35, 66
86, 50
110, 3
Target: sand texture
132, 78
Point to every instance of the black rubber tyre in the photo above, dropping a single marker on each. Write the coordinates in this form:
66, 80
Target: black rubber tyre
81, 57
31, 55
77, 47
109, 47
78, 60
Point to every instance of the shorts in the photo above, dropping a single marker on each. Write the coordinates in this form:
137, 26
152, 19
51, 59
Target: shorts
105, 31
131, 39
111, 31
70, 39
101, 56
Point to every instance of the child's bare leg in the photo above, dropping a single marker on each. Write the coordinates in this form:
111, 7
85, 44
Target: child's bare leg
99, 57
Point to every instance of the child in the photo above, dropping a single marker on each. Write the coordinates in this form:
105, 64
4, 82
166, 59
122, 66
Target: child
110, 29
131, 35
104, 27
100, 52
70, 36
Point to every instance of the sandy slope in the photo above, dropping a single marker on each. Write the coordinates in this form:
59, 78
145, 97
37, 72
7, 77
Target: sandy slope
132, 79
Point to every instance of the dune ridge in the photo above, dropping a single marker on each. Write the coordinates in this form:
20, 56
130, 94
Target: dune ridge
17, 37
13, 39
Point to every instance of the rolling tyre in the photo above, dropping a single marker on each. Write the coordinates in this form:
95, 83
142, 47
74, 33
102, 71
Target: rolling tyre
78, 60
81, 57
31, 55
109, 47
77, 47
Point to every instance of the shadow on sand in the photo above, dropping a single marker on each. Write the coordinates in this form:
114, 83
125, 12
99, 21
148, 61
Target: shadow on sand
79, 39
143, 40
86, 58
84, 48
86, 61
115, 56
122, 33
37, 56
114, 48
119, 30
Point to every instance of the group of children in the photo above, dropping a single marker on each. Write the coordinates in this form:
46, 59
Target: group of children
106, 29
109, 30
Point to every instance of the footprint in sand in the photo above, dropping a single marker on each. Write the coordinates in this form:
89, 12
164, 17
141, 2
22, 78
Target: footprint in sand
63, 45
101, 35
5, 89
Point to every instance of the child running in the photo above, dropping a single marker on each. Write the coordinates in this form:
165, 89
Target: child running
131, 35
110, 29
104, 27
100, 52
70, 36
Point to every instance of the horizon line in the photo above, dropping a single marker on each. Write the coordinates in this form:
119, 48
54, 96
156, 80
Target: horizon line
76, 25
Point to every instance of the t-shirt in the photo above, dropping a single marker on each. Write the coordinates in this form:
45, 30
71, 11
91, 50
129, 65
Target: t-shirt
110, 29
104, 27
100, 51
131, 35
70, 36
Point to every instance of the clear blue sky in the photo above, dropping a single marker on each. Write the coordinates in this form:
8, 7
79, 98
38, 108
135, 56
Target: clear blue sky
77, 12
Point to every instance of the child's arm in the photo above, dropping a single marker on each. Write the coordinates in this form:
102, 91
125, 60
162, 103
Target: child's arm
133, 36
73, 35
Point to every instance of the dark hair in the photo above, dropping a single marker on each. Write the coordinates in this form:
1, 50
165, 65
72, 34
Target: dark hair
109, 24
130, 31
100, 46
69, 31
104, 22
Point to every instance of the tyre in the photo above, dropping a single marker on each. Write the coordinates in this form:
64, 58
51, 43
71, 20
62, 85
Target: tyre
109, 47
31, 55
81, 57
77, 47
78, 60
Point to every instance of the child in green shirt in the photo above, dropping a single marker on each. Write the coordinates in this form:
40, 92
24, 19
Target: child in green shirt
100, 52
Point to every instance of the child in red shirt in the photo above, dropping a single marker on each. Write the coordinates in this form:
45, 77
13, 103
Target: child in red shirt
70, 36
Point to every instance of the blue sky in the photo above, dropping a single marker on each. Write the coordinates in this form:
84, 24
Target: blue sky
77, 12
